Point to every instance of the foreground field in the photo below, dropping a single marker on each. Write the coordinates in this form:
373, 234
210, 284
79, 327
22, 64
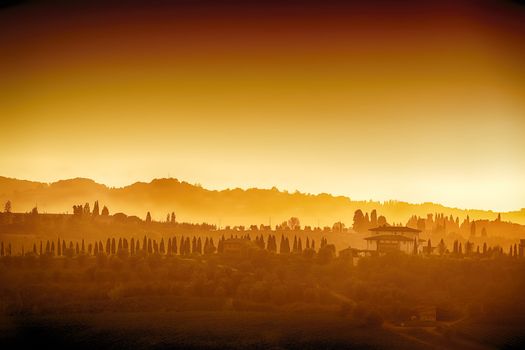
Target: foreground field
240, 330
263, 300
197, 330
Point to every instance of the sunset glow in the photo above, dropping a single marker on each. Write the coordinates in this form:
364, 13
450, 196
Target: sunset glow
341, 99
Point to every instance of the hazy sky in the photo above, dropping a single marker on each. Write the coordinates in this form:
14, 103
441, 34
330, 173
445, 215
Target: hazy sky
416, 103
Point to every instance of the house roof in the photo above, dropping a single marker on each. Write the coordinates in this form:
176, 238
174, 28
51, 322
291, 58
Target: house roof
389, 238
385, 228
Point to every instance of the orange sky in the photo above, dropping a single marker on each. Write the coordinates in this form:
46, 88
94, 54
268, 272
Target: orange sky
416, 103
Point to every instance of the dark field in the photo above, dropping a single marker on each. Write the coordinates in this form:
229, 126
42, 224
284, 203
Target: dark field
260, 301
197, 330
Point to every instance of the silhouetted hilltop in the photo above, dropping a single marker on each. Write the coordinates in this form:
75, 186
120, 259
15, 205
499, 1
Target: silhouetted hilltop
229, 206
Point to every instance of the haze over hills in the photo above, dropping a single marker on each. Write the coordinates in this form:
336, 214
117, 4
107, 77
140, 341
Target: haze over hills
192, 203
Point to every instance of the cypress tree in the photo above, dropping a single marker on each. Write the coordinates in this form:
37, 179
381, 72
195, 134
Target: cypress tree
95, 209
182, 249
187, 246
212, 246
162, 249
220, 245
155, 246
113, 246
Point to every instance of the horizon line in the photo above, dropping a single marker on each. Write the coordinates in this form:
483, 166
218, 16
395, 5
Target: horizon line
197, 184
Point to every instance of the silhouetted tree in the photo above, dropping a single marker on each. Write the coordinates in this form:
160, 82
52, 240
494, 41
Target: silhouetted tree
338, 227
220, 245
105, 211
162, 248
174, 245
359, 224
155, 247
148, 218
187, 246
473, 229
95, 209
441, 247
199, 245
373, 218
294, 223
87, 210
7, 207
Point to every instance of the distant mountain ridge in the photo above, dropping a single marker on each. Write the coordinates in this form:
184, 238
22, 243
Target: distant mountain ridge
193, 203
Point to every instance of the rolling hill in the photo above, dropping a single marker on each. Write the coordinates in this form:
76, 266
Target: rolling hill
193, 203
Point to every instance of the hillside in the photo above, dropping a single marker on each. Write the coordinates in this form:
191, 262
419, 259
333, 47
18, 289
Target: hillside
193, 203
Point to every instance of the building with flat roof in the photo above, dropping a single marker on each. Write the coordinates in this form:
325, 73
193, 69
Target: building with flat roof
386, 239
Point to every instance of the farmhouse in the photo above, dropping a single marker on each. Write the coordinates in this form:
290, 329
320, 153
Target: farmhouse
387, 239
